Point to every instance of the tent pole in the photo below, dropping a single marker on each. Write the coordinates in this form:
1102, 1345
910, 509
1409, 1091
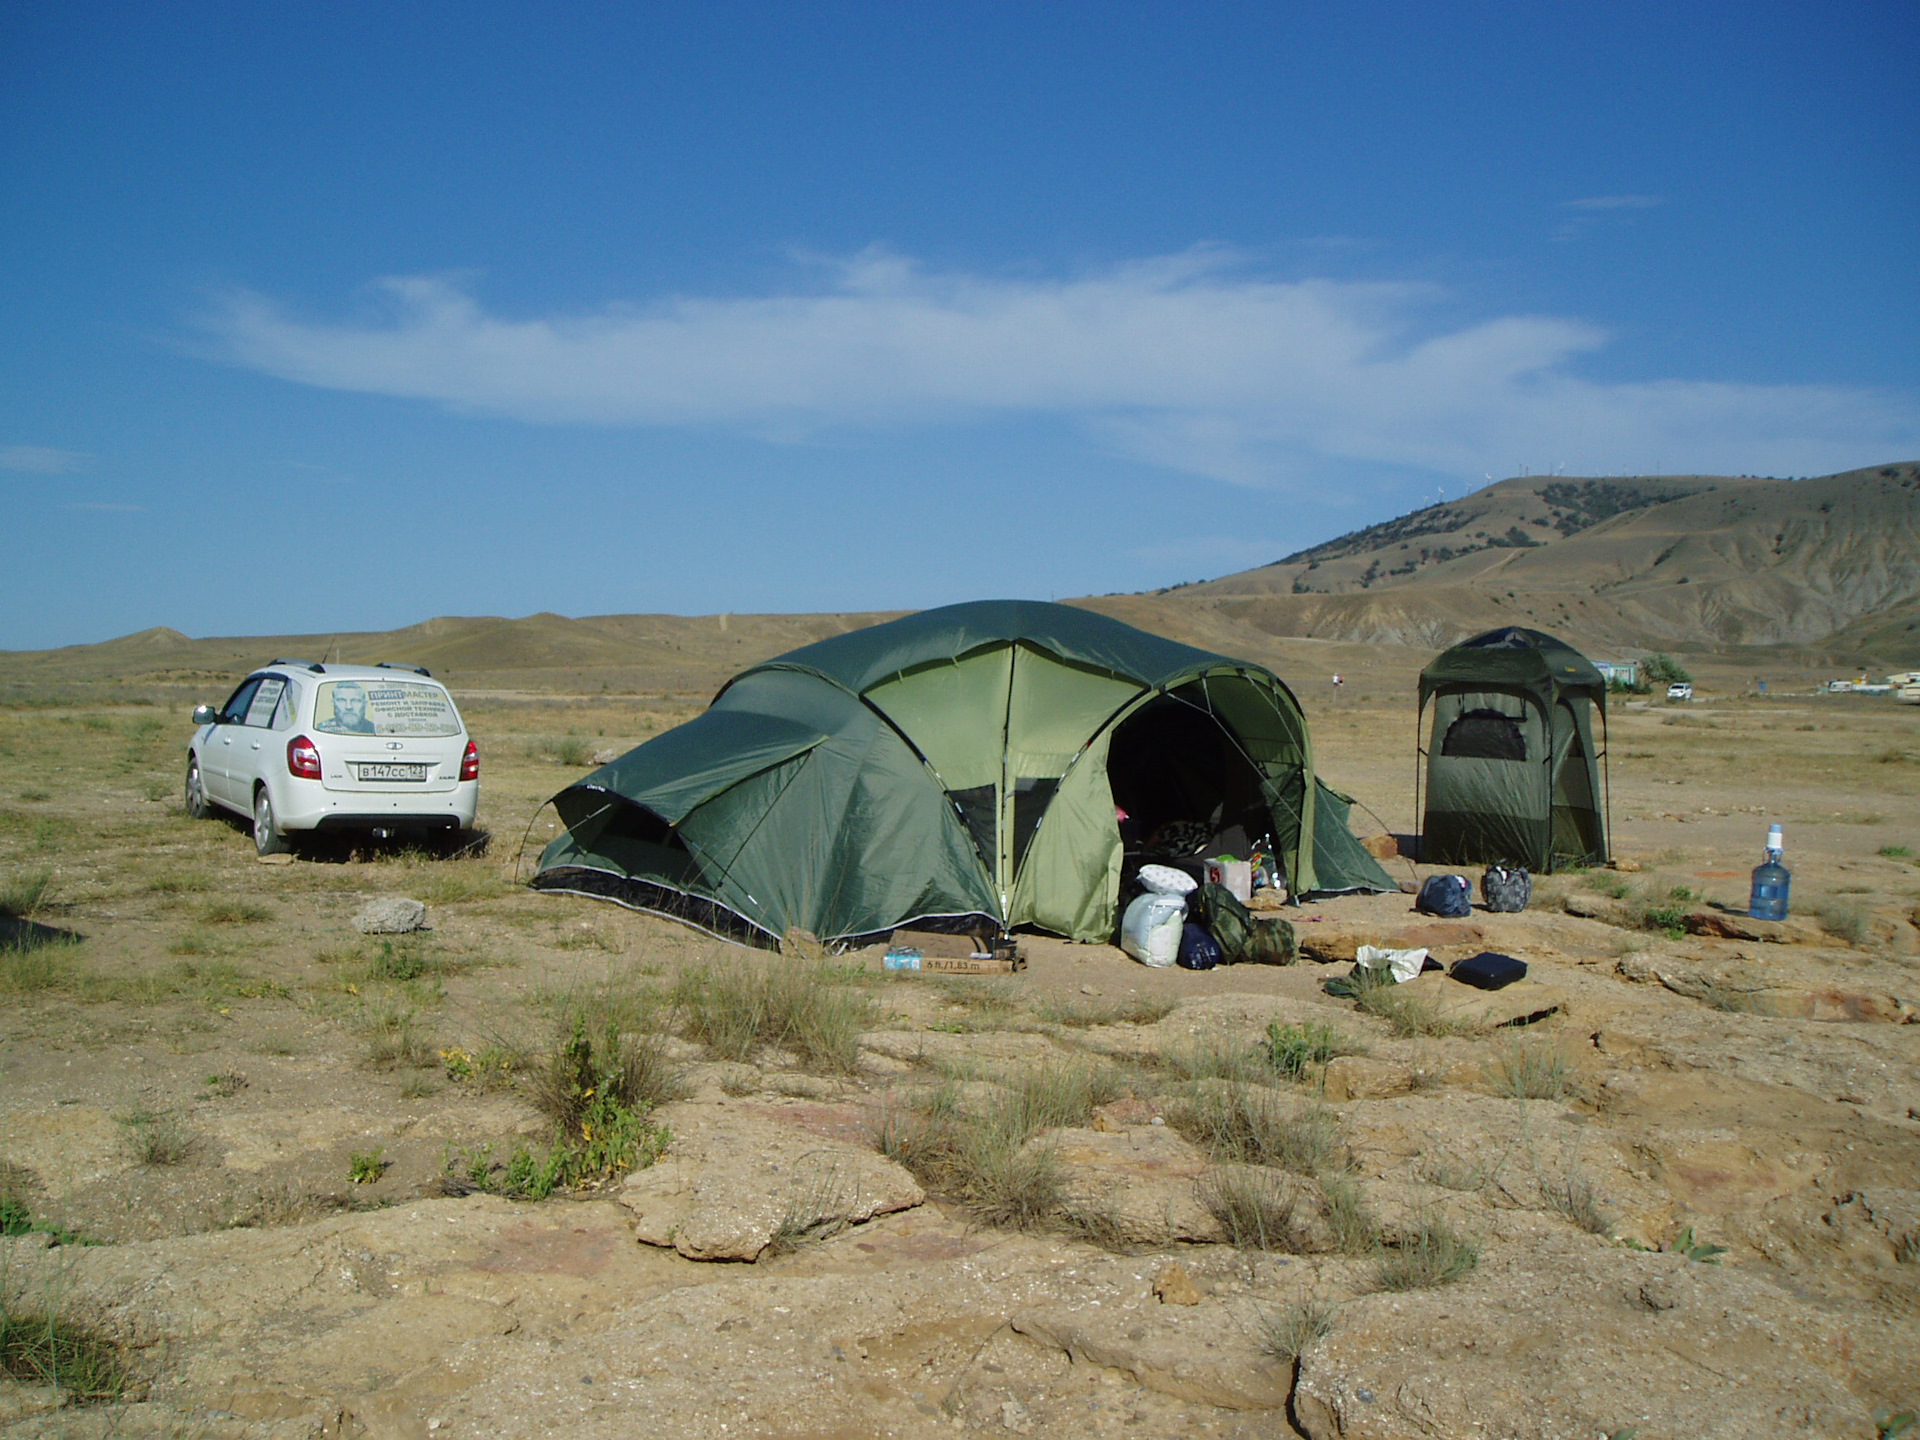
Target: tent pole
1606, 780
1419, 826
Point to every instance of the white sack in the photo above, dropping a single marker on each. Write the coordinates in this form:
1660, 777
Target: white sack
1405, 964
1165, 880
1150, 930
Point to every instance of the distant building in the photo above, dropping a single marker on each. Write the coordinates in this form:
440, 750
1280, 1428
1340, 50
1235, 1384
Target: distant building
1619, 672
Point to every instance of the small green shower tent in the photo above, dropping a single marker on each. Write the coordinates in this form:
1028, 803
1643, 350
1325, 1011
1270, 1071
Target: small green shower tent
955, 767
1511, 771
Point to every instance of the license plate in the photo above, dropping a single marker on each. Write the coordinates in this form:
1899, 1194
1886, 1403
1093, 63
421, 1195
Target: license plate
388, 770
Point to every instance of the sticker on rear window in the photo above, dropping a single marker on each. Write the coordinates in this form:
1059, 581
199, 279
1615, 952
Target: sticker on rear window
383, 707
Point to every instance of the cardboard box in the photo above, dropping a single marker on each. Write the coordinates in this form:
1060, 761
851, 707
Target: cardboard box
955, 954
974, 964
932, 942
1236, 875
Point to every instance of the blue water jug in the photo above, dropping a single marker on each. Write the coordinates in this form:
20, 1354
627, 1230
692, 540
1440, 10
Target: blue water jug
1771, 881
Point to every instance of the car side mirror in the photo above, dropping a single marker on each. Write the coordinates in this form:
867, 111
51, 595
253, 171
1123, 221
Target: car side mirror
205, 715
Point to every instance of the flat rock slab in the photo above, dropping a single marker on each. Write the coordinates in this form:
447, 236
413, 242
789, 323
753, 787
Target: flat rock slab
1140, 1177
1337, 942
1564, 1339
1359, 1077
1752, 990
391, 915
1521, 1002
1729, 925
735, 1176
1204, 1352
1233, 1018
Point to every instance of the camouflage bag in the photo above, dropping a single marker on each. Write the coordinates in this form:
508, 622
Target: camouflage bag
1243, 937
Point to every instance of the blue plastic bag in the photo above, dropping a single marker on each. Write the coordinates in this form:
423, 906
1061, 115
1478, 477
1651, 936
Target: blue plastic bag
1198, 949
1448, 896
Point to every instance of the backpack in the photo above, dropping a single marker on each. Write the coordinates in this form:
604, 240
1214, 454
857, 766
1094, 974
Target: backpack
1243, 936
1489, 970
1198, 949
1448, 896
1506, 888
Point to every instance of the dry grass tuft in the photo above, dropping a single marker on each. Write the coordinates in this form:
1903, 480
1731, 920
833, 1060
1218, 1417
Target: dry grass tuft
735, 1007
1845, 920
43, 1344
234, 912
1251, 1124
1528, 1070
1285, 1335
1434, 1254
395, 1039
1407, 1015
158, 1137
1355, 1231
1080, 1014
1255, 1208
987, 1159
22, 894
1575, 1197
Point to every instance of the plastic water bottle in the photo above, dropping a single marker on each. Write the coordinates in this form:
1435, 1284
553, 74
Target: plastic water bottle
1771, 880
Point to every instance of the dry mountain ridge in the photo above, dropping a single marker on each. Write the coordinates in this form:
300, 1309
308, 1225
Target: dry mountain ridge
1668, 562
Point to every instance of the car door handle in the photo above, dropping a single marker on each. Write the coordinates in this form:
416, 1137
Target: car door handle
256, 744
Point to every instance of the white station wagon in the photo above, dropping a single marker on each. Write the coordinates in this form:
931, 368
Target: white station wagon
368, 749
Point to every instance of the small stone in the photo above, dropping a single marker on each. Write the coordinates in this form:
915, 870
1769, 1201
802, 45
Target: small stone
391, 915
1088, 990
282, 858
1659, 1294
1357, 1077
1174, 1286
606, 756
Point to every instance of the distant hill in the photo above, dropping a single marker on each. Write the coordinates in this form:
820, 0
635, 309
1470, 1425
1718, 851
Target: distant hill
1694, 562
673, 654
1820, 571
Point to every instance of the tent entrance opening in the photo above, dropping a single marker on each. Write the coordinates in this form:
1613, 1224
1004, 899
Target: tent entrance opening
1184, 781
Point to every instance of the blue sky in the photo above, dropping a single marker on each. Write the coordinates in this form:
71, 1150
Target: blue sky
332, 318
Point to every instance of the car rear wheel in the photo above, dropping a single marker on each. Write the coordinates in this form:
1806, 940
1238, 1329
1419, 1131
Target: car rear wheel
196, 792
268, 838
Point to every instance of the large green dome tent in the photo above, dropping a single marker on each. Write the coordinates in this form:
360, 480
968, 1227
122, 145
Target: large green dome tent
1512, 774
956, 766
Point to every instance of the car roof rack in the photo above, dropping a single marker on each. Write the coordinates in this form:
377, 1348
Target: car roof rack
396, 665
303, 664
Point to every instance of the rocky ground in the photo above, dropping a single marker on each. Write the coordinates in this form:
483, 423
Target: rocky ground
1669, 1185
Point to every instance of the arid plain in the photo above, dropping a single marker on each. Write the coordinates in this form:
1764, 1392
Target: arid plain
1669, 1186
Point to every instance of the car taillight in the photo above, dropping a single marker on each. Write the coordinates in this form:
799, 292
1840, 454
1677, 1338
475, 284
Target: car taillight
303, 759
470, 762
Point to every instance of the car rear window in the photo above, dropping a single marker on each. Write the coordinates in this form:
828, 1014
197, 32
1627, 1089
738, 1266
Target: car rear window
383, 707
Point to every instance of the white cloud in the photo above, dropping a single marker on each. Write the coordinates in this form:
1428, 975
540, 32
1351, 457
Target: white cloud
1188, 361
40, 460
1614, 202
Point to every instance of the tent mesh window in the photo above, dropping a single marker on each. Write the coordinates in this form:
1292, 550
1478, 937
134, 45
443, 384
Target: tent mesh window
1485, 735
1030, 800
